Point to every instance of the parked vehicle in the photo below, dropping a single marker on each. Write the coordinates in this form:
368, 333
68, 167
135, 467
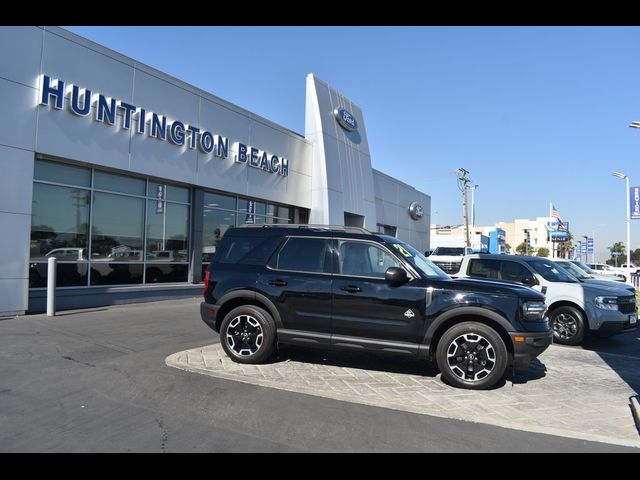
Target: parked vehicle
604, 269
595, 274
346, 288
449, 258
584, 277
635, 270
574, 307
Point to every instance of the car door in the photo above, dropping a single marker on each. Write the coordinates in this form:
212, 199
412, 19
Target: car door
298, 282
365, 305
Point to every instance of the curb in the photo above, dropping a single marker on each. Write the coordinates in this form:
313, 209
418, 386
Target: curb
635, 409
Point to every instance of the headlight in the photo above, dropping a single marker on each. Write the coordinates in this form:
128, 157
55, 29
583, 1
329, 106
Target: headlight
533, 310
606, 303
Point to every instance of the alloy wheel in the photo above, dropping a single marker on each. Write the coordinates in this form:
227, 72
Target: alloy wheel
471, 357
244, 335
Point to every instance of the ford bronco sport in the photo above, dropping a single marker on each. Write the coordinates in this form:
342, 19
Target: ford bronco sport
347, 288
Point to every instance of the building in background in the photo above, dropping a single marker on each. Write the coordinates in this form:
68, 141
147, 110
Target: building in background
130, 177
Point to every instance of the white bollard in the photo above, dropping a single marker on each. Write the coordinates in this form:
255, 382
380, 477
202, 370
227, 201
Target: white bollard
51, 287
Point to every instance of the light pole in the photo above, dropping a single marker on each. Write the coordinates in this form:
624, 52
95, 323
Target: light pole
586, 242
622, 175
473, 205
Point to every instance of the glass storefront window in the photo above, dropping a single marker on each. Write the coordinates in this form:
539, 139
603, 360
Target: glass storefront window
170, 192
118, 183
215, 200
215, 224
111, 273
118, 223
62, 173
59, 222
167, 232
251, 207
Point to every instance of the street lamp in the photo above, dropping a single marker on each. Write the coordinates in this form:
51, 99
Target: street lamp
473, 205
623, 176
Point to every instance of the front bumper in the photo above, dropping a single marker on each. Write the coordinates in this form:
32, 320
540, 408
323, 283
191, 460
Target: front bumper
208, 314
610, 322
527, 346
611, 328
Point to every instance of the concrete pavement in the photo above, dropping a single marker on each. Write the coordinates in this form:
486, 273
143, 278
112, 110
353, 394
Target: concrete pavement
96, 381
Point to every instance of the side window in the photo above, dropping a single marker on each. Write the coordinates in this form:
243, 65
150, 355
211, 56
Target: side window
514, 272
480, 268
245, 249
305, 255
363, 259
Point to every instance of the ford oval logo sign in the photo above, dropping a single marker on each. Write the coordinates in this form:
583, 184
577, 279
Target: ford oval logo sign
345, 119
416, 211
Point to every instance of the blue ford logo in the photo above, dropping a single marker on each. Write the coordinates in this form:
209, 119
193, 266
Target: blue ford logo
345, 119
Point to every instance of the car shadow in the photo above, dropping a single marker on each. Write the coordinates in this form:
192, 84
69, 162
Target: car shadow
536, 371
362, 360
392, 364
621, 353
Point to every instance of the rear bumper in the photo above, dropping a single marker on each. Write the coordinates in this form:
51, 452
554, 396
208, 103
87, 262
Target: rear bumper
208, 314
527, 346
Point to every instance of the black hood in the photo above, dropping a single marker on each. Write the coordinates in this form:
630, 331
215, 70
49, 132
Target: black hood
493, 287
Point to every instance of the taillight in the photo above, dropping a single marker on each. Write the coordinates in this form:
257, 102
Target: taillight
206, 280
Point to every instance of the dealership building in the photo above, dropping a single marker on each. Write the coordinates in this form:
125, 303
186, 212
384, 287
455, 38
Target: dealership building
129, 177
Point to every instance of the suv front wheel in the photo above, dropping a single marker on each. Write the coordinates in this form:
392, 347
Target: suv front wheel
248, 334
471, 355
568, 325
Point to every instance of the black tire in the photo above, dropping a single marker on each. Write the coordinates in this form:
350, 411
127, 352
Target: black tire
483, 344
568, 325
248, 334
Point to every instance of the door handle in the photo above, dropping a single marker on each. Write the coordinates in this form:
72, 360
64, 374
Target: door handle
351, 289
277, 283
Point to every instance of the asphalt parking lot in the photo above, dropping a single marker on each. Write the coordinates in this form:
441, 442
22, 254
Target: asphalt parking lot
96, 380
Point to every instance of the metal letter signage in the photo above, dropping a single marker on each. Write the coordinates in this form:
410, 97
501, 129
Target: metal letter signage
416, 211
55, 92
345, 119
634, 198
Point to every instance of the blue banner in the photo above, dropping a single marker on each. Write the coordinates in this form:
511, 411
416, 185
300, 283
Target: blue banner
634, 199
589, 245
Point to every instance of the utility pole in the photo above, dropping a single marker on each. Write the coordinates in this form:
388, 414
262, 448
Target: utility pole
463, 184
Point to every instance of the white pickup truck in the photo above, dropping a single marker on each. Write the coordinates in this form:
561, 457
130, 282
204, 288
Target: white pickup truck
449, 258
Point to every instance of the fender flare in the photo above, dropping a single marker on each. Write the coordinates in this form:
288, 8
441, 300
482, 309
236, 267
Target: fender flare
258, 297
462, 311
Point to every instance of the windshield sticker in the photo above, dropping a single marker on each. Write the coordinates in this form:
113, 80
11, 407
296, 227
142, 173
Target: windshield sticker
402, 250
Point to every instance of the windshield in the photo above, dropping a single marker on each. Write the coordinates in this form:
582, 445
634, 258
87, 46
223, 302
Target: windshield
583, 267
416, 259
453, 251
573, 270
551, 271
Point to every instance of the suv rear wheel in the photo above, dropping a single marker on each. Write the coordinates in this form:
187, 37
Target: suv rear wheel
568, 325
248, 334
472, 355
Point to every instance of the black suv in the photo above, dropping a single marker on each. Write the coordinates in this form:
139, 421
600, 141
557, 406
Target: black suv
347, 288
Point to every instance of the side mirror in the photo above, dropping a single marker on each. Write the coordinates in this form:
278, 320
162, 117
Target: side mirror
396, 275
529, 281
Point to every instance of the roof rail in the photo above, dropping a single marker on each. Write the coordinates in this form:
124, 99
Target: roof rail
340, 228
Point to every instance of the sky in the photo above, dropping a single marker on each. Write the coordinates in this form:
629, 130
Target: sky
537, 115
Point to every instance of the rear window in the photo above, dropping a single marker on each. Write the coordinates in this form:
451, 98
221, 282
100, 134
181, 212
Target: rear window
484, 269
305, 255
246, 250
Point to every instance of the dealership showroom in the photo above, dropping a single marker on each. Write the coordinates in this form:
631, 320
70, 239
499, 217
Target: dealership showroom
129, 177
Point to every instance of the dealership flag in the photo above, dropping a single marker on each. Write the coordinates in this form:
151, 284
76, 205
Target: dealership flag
556, 215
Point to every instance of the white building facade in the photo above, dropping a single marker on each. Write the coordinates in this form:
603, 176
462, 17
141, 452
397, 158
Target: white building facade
129, 176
